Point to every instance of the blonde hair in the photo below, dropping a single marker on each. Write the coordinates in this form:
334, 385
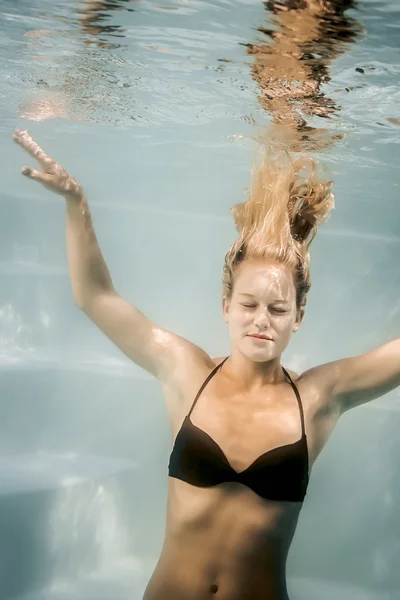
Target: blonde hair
286, 204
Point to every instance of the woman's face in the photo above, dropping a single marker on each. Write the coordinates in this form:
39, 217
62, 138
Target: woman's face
263, 302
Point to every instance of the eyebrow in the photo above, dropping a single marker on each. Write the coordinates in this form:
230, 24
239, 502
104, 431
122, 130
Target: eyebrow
252, 296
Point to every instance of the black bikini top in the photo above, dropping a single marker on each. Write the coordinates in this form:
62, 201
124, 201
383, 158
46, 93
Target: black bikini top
280, 474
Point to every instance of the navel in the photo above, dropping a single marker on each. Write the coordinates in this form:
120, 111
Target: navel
214, 588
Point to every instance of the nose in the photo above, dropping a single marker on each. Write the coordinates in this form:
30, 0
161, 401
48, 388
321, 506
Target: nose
262, 321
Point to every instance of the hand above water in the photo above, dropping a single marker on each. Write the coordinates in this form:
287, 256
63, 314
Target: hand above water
53, 176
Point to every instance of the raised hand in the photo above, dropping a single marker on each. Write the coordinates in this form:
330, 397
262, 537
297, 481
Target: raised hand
52, 176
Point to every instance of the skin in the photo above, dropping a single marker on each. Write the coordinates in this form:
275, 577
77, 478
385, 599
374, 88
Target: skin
228, 536
224, 541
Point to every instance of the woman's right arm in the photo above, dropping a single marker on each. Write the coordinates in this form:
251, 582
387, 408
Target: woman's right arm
154, 349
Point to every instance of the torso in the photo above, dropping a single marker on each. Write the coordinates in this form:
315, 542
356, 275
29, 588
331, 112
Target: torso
226, 542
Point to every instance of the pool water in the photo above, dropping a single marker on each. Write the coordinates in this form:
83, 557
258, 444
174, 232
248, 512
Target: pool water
154, 107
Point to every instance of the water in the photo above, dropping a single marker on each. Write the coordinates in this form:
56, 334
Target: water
153, 107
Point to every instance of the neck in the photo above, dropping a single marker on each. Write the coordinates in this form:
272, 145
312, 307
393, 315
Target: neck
250, 374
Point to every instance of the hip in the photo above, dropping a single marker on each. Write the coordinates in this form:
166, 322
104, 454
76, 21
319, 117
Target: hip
189, 580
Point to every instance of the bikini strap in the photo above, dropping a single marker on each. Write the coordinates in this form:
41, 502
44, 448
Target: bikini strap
296, 391
210, 376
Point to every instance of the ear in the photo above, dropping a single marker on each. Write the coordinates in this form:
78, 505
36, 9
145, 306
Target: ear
299, 320
225, 308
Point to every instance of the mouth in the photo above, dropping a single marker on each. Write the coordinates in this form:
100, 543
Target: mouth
261, 337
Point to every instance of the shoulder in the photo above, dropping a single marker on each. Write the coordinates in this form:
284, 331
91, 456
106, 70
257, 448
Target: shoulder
323, 376
216, 361
192, 366
293, 375
317, 385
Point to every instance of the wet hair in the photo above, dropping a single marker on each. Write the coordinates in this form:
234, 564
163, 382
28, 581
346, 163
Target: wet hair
287, 202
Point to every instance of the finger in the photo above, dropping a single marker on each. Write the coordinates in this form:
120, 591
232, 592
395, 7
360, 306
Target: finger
44, 178
23, 139
66, 188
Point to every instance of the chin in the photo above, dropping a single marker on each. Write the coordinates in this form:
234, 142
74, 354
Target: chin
258, 354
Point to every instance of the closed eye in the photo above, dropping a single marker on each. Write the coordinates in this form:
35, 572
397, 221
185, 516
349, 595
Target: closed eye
277, 310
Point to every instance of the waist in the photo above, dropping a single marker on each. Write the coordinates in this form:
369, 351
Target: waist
226, 537
205, 574
230, 517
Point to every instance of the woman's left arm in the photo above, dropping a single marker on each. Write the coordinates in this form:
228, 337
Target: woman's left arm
360, 379
368, 376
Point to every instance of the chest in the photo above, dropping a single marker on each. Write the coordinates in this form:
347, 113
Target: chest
246, 426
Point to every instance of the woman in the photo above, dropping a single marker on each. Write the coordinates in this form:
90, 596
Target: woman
246, 431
